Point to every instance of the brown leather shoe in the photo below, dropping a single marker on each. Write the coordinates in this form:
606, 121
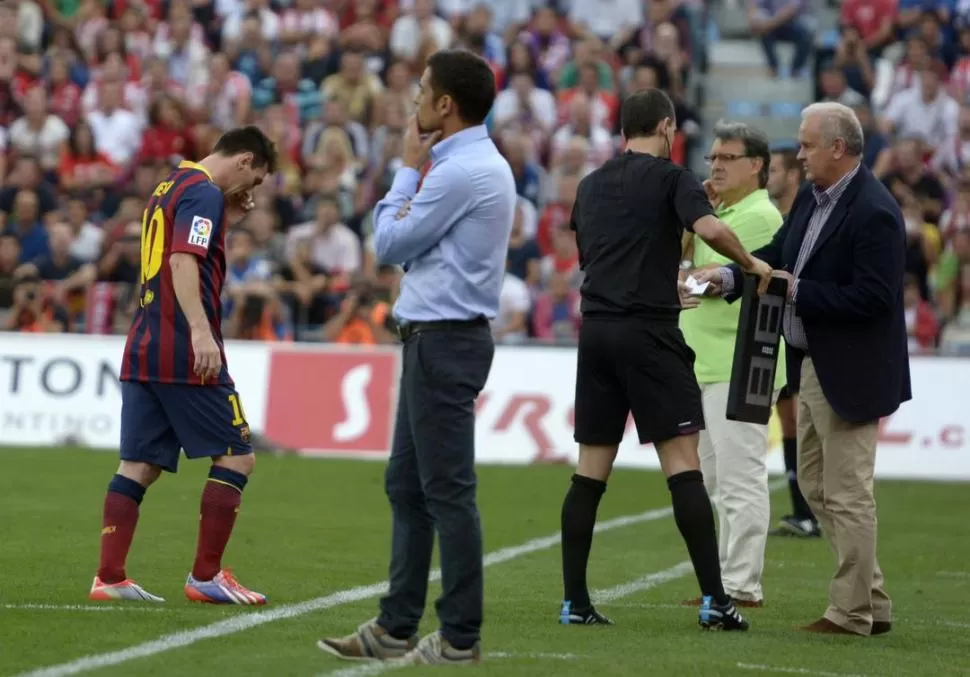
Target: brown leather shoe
826, 627
881, 627
744, 603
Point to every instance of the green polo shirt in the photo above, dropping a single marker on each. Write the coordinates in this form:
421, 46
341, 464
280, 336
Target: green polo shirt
711, 328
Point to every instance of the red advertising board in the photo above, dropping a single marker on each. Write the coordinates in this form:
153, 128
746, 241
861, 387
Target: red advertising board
332, 402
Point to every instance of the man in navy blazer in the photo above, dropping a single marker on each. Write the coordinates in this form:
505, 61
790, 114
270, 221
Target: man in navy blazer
841, 249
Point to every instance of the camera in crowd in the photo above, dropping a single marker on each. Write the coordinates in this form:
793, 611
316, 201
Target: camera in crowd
27, 292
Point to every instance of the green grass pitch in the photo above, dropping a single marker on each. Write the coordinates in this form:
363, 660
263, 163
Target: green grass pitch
309, 529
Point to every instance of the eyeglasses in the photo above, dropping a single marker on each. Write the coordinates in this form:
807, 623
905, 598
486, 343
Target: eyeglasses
723, 157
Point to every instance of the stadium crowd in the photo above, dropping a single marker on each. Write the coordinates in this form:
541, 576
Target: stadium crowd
100, 98
905, 68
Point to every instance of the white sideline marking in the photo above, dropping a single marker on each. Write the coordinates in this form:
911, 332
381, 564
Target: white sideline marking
376, 668
83, 607
607, 595
646, 605
541, 656
954, 624
795, 671
953, 574
642, 583
246, 621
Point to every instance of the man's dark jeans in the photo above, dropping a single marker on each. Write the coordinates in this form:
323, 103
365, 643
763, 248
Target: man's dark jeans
431, 483
796, 33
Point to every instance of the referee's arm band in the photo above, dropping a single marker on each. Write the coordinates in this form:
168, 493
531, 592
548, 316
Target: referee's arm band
727, 280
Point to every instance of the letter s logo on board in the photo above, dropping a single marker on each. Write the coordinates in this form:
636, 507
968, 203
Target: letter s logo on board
332, 401
353, 393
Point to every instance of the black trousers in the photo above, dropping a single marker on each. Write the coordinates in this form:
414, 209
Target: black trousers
431, 482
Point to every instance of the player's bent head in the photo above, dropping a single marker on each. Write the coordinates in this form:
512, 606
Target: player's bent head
455, 83
646, 113
250, 147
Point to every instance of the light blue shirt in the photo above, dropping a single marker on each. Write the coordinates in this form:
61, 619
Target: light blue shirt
452, 237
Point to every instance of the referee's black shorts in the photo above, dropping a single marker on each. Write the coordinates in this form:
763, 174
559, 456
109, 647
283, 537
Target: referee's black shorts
641, 366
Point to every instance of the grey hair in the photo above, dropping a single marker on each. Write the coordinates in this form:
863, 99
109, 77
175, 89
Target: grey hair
755, 143
838, 121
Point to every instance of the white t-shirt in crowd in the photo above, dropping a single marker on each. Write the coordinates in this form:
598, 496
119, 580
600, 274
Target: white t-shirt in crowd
406, 35
514, 298
44, 143
337, 251
116, 134
87, 243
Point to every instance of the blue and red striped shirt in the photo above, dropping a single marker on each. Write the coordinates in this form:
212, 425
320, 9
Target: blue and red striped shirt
185, 214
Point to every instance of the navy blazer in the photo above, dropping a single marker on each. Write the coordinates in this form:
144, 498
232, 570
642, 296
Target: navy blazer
849, 298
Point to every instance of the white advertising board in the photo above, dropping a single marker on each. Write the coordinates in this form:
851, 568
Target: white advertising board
327, 400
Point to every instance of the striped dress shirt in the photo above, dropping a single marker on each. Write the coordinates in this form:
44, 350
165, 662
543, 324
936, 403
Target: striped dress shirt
825, 201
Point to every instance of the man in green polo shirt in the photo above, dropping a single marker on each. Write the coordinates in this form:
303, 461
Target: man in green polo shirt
734, 454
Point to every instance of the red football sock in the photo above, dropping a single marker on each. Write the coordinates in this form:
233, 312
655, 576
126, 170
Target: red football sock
220, 504
118, 530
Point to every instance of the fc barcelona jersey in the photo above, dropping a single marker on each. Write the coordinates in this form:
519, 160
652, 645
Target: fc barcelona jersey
185, 214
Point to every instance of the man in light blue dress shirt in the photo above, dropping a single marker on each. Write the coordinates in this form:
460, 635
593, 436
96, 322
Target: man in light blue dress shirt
451, 234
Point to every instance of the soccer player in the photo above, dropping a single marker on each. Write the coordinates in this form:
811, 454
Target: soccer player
176, 392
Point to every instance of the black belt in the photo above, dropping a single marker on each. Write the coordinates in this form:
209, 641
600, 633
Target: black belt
407, 329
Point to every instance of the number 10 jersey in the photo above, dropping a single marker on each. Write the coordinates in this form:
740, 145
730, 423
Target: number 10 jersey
185, 214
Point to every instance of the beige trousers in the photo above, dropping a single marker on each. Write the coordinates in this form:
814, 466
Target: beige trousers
836, 463
733, 459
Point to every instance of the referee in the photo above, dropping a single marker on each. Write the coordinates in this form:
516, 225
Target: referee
629, 217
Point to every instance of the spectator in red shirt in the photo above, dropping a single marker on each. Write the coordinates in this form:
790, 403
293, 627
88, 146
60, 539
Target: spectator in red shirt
921, 324
556, 316
874, 20
556, 212
604, 103
111, 40
165, 139
351, 13
82, 167
65, 95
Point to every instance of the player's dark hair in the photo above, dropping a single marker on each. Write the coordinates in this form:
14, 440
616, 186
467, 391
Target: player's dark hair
467, 79
790, 161
643, 112
248, 139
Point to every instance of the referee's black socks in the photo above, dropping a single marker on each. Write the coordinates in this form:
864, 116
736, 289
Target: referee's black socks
578, 519
695, 519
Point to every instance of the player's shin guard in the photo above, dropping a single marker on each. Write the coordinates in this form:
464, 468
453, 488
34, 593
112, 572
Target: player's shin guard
578, 519
220, 504
695, 520
118, 526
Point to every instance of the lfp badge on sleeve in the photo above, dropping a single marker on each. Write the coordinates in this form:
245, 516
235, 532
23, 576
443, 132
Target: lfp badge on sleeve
756, 351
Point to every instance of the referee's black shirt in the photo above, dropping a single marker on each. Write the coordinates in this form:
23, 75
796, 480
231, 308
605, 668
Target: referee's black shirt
629, 217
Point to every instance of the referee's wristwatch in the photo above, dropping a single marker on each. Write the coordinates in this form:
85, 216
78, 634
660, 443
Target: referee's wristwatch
686, 264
